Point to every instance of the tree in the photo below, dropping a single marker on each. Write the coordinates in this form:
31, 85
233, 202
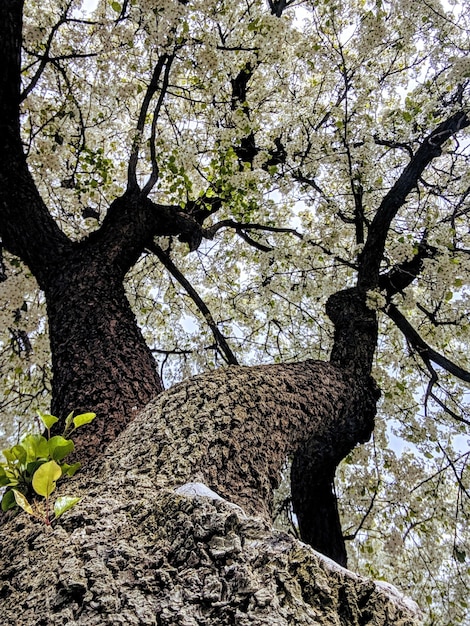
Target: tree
226, 151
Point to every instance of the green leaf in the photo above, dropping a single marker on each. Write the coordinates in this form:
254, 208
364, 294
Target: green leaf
68, 421
45, 478
64, 503
116, 7
70, 470
22, 502
8, 455
31, 468
8, 501
254, 25
19, 453
36, 447
59, 447
48, 420
84, 418
4, 479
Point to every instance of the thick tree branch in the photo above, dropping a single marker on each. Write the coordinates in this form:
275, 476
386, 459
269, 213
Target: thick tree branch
372, 254
26, 227
425, 351
356, 332
130, 224
277, 6
401, 276
225, 349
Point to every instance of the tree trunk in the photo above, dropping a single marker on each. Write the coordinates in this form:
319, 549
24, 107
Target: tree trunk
100, 360
315, 461
151, 544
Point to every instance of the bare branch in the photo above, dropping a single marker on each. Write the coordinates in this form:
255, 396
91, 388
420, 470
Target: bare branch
421, 347
371, 257
198, 301
151, 90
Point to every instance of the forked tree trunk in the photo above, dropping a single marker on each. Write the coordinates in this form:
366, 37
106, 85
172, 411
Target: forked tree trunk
314, 412
143, 547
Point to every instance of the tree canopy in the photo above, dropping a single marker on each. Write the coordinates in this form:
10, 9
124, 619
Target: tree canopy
241, 163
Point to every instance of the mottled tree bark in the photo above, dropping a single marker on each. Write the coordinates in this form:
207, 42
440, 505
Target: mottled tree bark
143, 547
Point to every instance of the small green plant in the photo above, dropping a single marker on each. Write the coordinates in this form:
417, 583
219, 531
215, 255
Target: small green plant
32, 468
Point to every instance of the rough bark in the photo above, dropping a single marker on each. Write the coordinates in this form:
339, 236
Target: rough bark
316, 459
145, 547
236, 426
100, 360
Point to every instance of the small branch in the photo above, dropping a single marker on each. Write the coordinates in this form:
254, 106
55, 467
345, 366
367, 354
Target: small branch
171, 352
153, 156
239, 226
394, 144
252, 242
458, 477
445, 408
3, 270
151, 90
196, 298
122, 15
210, 232
353, 535
240, 229
45, 57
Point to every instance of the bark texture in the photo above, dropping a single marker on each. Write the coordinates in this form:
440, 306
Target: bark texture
138, 549
100, 360
317, 457
233, 428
